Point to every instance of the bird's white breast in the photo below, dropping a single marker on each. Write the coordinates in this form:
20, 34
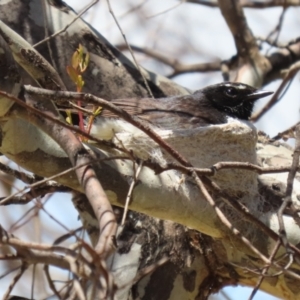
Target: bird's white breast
108, 128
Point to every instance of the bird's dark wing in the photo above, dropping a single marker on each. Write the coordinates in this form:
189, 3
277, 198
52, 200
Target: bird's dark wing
133, 106
177, 112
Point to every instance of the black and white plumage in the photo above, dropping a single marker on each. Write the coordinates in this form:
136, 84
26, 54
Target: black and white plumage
210, 105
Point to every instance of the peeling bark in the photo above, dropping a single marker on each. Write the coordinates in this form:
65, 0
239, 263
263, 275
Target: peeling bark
170, 217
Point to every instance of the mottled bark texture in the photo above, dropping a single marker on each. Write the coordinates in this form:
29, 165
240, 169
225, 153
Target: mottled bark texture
171, 218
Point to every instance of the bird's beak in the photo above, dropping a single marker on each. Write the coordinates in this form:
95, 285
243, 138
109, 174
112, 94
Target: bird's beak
258, 94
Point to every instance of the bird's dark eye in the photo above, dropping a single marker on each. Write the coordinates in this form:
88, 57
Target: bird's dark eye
231, 92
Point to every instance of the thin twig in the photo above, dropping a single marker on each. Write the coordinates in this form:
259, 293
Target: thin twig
50, 282
132, 185
250, 3
34, 193
149, 269
25, 177
67, 26
38, 183
265, 269
287, 201
15, 280
283, 134
216, 167
130, 50
178, 67
223, 218
9, 257
277, 29
293, 70
166, 10
33, 280
277, 44
45, 16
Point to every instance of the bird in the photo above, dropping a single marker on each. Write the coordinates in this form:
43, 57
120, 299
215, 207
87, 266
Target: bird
180, 120
211, 105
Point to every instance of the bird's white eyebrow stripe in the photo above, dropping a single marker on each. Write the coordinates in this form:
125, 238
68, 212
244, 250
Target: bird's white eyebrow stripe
238, 86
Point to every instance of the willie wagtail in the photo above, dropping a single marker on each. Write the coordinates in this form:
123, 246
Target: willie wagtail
210, 105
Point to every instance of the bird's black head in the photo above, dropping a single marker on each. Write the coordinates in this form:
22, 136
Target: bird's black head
233, 98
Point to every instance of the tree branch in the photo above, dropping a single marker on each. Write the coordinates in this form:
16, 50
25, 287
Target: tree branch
251, 3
